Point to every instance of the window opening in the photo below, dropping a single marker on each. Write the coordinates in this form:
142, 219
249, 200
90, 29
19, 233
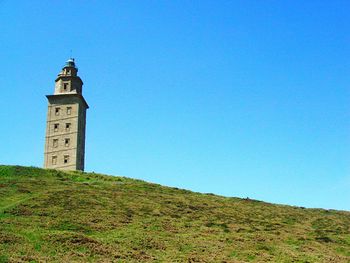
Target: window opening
65, 86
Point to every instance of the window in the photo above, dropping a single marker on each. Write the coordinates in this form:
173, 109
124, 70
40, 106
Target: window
66, 159
57, 111
66, 142
69, 110
67, 127
65, 86
55, 143
54, 160
55, 127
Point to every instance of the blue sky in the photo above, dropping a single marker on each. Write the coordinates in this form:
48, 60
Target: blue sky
238, 98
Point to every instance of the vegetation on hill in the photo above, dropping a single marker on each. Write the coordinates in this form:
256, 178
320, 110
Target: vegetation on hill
49, 215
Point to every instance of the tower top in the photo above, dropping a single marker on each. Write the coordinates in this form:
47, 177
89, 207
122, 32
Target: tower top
70, 63
67, 81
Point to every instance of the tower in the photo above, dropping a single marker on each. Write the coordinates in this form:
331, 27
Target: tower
66, 121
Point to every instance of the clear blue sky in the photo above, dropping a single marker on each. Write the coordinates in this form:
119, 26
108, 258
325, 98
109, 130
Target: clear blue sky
238, 98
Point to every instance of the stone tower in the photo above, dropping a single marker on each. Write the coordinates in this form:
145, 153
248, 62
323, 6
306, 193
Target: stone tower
66, 118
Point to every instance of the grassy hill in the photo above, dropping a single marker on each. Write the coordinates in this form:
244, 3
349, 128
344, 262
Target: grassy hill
48, 215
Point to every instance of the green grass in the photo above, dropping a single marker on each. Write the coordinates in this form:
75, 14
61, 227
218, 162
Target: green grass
55, 216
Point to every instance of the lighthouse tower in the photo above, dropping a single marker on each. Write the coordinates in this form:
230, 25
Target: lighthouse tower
66, 121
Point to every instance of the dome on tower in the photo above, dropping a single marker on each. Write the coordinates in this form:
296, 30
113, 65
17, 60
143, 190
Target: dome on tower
70, 63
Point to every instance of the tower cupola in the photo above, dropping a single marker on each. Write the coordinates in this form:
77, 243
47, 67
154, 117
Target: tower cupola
67, 80
70, 63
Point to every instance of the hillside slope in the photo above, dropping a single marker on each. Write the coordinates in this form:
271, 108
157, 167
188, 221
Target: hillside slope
48, 215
